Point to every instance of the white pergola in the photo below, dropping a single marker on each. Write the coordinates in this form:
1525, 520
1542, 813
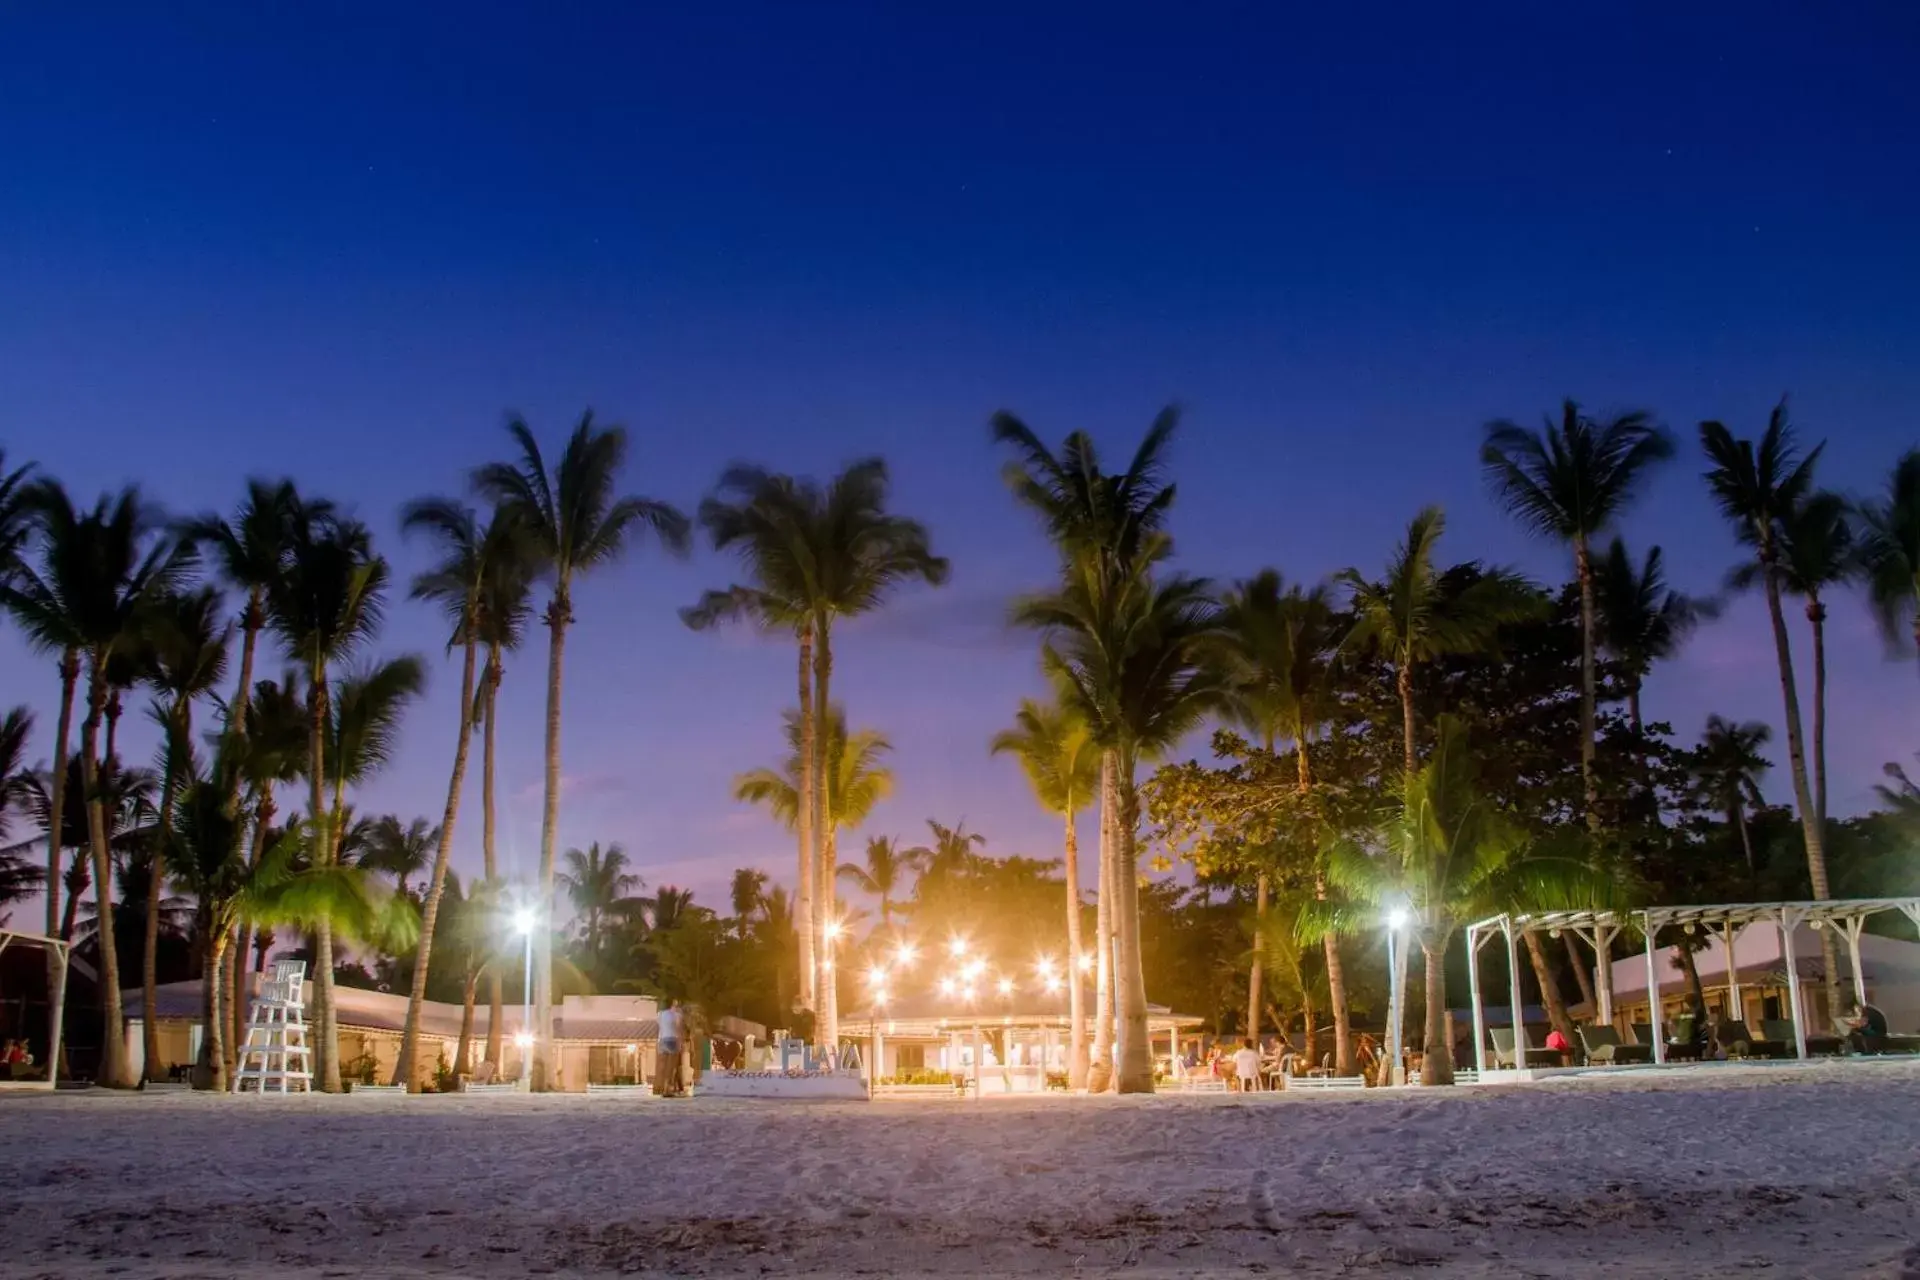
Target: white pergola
1598, 929
61, 953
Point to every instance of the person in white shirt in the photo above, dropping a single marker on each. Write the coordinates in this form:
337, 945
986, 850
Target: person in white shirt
666, 1072
1246, 1067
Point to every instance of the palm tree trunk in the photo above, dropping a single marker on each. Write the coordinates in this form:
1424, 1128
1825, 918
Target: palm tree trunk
1259, 956
1581, 978
263, 814
1100, 1069
327, 1038
1583, 570
1405, 682
1810, 822
1133, 1058
75, 882
404, 1072
1336, 972
251, 622
1690, 970
1437, 1051
827, 822
462, 1059
1076, 996
180, 728
1549, 991
1261, 888
1817, 615
114, 1072
1739, 816
57, 788
496, 994
559, 614
804, 923
214, 1014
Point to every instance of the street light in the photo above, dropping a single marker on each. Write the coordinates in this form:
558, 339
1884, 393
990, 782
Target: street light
525, 920
903, 955
1396, 993
957, 948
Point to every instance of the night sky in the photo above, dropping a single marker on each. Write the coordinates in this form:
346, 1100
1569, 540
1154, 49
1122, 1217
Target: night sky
340, 242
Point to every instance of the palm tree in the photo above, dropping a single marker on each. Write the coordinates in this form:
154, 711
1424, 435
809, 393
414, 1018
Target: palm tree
471, 937
42, 601
1570, 483
598, 884
19, 877
574, 523
251, 550
368, 704
1108, 530
1818, 551
506, 604
400, 852
458, 582
1890, 552
1063, 767
1452, 857
746, 893
860, 555
270, 753
1730, 767
188, 648
1416, 613
325, 606
882, 877
16, 515
766, 521
1757, 489
1132, 657
103, 573
1642, 621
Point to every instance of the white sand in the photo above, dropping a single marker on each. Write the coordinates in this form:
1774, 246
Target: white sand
1800, 1172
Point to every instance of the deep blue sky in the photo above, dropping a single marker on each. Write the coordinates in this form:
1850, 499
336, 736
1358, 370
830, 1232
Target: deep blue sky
341, 241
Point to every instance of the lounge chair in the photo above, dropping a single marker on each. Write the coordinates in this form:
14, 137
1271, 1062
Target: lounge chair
1502, 1038
1817, 1045
1605, 1048
1681, 1046
1739, 1042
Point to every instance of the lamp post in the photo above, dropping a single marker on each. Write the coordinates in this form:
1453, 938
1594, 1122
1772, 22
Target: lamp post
524, 920
830, 1031
1396, 994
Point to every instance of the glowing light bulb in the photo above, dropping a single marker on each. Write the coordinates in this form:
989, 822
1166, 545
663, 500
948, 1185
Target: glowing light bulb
904, 955
947, 986
876, 976
1006, 986
1397, 918
958, 947
1086, 962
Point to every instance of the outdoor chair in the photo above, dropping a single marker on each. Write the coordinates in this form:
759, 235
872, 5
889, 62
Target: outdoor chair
1741, 1043
1605, 1048
1502, 1038
1817, 1046
1642, 1033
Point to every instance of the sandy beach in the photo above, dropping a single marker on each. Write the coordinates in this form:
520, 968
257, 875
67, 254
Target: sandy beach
1796, 1172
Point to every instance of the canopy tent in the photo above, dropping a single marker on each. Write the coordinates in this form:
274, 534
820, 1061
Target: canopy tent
59, 953
1598, 929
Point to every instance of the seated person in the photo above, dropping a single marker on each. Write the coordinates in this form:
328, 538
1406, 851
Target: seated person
1867, 1028
1557, 1043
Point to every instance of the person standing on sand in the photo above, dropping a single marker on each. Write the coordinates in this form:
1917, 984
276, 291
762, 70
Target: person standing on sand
666, 1062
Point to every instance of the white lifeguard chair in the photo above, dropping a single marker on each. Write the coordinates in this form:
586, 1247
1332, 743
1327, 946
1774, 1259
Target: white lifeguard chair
276, 1058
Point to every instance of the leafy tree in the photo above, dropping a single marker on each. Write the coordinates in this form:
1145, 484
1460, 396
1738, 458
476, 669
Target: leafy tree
883, 875
19, 878
600, 888
574, 523
1730, 767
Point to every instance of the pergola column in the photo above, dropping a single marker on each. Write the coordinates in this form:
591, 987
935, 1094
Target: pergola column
1787, 923
1734, 1009
1653, 990
1474, 939
1513, 994
1854, 925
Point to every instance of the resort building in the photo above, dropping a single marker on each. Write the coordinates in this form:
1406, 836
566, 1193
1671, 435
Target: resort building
605, 1039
